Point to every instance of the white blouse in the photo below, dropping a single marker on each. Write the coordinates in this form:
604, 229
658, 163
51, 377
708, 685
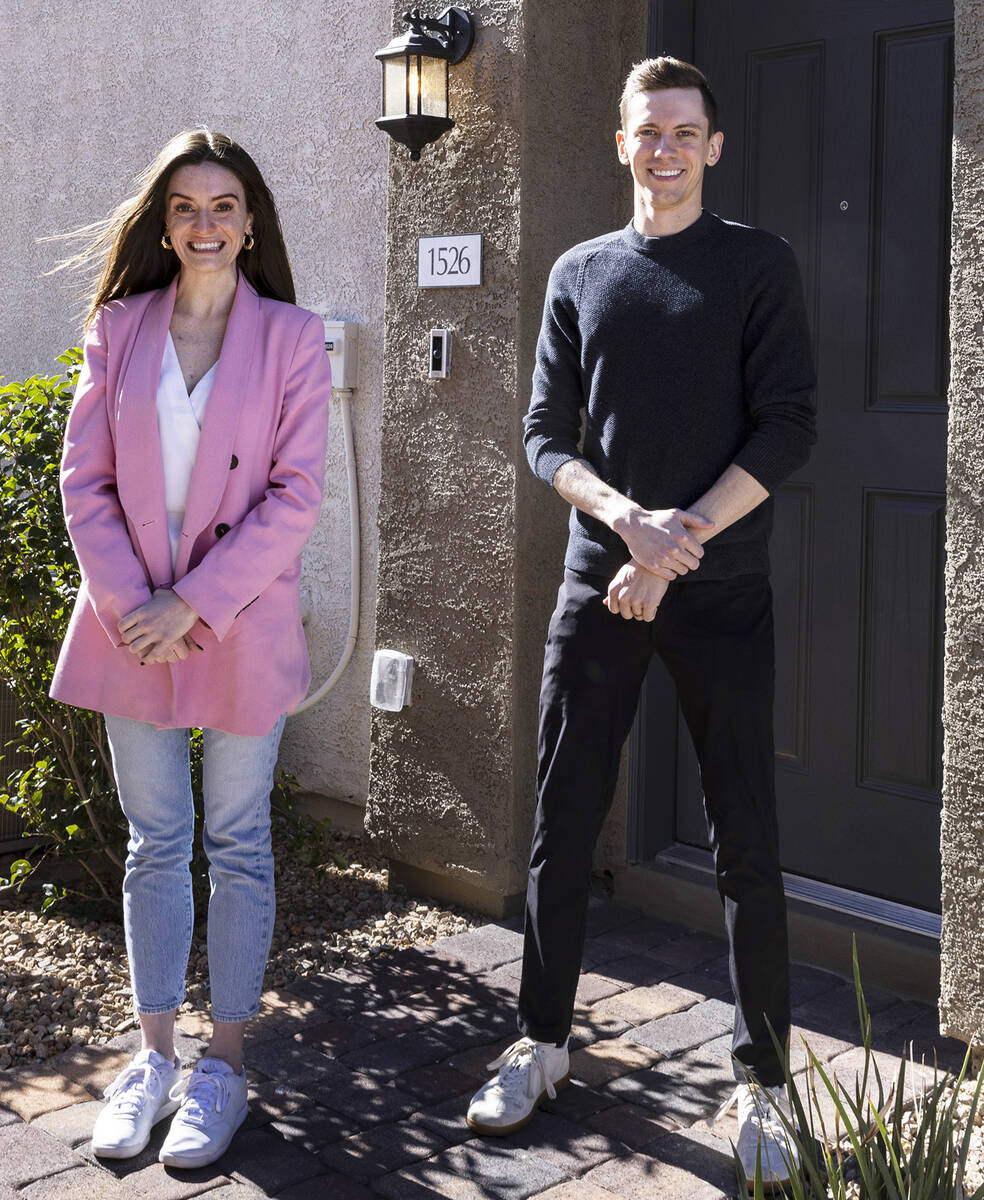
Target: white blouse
179, 422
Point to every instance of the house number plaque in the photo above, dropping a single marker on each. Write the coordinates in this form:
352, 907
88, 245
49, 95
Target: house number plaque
452, 261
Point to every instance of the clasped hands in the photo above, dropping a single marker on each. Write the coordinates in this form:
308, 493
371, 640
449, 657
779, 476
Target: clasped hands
661, 549
157, 631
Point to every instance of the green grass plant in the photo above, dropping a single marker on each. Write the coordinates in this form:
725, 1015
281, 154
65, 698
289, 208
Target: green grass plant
898, 1143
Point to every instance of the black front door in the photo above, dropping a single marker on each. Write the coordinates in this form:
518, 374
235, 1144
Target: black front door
837, 136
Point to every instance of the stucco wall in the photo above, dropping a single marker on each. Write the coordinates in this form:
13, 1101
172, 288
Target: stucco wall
88, 94
962, 948
471, 546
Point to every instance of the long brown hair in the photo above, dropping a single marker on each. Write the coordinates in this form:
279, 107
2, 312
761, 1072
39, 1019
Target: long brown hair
126, 249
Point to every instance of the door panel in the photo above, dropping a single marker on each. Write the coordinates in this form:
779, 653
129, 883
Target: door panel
837, 136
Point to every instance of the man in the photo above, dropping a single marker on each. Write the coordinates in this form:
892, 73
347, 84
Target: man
684, 339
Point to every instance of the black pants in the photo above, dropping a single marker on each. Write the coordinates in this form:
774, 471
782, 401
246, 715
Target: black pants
716, 639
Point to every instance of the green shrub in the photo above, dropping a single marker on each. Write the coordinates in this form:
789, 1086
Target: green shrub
899, 1145
61, 783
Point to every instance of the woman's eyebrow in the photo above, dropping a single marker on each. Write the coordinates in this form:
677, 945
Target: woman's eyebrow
182, 196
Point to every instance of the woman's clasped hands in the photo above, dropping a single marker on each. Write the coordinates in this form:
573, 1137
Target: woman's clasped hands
157, 631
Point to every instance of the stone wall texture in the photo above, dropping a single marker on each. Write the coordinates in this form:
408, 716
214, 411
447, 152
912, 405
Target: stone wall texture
962, 949
88, 94
471, 545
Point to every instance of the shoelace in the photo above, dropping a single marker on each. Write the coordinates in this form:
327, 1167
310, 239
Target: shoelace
517, 1065
201, 1095
126, 1092
762, 1101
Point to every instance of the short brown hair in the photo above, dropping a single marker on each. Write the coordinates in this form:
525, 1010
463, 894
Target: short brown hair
656, 74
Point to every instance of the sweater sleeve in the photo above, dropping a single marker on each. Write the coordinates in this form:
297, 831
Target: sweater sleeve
94, 517
777, 371
553, 423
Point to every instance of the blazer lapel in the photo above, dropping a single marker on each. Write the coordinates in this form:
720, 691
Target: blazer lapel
139, 469
229, 388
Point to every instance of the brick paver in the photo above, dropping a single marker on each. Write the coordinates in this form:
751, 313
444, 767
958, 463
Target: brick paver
360, 1079
577, 1102
156, 1182
644, 933
313, 1127
84, 1183
610, 1059
91, 1067
642, 1004
636, 970
31, 1091
491, 1166
482, 949
645, 1177
635, 1126
324, 1187
382, 1149
268, 1162
684, 1088
439, 1081
702, 1152
591, 1025
28, 1153
576, 1189
569, 1146
71, 1126
335, 1038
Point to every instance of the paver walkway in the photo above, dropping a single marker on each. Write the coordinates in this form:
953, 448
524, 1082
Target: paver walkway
360, 1079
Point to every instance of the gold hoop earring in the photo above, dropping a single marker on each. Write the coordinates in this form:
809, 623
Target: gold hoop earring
248, 245
166, 242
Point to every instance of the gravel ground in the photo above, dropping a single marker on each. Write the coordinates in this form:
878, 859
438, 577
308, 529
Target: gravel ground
64, 979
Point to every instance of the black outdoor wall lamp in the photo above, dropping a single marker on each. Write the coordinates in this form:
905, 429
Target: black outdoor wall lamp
415, 76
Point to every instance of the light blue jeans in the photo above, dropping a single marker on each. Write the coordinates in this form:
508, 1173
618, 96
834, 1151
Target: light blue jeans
153, 776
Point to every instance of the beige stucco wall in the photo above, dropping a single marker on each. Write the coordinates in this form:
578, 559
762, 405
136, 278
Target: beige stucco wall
88, 94
962, 948
471, 545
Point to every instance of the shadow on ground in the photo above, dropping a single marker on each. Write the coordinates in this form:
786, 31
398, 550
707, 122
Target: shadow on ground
360, 1078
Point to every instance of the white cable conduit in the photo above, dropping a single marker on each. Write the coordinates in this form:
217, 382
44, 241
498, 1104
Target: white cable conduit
344, 397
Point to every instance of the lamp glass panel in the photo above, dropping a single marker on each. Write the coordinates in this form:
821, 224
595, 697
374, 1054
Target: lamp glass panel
434, 87
395, 87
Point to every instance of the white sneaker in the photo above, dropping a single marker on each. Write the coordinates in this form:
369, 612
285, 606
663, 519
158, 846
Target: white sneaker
763, 1134
213, 1106
528, 1071
138, 1098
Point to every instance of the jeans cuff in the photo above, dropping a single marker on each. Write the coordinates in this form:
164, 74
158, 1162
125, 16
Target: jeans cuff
227, 1019
155, 1010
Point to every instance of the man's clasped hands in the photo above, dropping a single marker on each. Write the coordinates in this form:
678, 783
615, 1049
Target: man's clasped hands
661, 549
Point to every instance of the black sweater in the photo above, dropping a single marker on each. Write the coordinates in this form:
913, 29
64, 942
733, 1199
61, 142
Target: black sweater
688, 352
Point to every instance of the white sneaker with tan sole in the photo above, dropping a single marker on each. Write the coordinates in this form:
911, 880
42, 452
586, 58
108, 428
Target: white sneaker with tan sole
762, 1134
528, 1073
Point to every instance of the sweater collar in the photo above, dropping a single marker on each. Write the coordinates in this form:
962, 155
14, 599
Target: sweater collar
656, 245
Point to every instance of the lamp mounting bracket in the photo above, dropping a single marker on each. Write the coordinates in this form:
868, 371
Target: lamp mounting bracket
454, 29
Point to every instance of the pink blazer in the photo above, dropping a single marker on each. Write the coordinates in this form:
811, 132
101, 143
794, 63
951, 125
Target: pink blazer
254, 499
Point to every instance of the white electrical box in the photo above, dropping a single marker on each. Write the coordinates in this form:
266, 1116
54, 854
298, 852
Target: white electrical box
392, 680
342, 347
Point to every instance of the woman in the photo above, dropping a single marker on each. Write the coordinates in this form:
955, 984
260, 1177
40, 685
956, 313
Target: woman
191, 480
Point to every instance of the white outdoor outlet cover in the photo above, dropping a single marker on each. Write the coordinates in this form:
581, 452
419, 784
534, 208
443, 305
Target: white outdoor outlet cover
392, 680
342, 346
